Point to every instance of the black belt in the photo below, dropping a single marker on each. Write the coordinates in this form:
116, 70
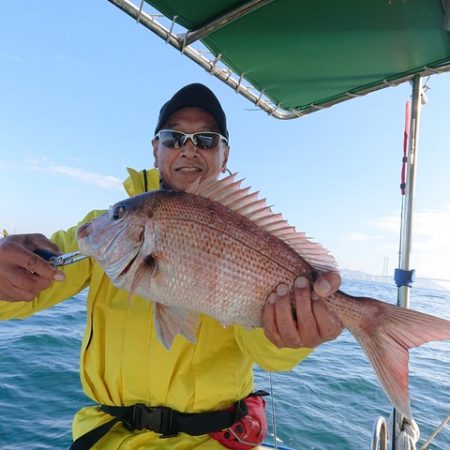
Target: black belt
162, 420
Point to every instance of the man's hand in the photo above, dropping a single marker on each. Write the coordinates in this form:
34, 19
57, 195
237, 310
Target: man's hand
298, 316
23, 274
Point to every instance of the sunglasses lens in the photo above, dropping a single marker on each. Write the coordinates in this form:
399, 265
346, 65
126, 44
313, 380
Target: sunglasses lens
171, 139
206, 140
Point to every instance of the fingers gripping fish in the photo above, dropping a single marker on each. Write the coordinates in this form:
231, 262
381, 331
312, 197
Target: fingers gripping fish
218, 249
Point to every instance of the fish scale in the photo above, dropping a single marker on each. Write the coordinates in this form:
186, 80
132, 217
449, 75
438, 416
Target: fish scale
218, 250
235, 274
238, 264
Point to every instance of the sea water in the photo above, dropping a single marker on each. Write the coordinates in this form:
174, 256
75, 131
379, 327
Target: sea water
329, 402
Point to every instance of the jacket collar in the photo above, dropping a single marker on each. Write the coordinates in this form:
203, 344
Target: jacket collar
141, 181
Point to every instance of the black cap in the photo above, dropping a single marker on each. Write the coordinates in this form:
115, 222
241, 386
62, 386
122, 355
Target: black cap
196, 95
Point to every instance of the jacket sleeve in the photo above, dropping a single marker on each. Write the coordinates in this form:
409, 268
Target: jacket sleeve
77, 278
261, 351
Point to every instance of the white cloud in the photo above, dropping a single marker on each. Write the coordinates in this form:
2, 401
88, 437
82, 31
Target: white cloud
360, 237
9, 57
430, 252
388, 223
99, 180
368, 248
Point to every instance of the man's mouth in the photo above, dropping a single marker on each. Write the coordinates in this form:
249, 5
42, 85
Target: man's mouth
188, 169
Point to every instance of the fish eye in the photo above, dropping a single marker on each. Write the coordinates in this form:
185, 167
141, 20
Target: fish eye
118, 212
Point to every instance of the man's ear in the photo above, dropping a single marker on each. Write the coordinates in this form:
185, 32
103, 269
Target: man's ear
225, 158
155, 144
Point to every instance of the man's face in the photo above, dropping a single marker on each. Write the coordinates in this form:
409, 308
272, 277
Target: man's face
182, 166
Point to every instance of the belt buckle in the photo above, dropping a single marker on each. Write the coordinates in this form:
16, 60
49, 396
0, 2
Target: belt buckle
166, 422
138, 416
158, 420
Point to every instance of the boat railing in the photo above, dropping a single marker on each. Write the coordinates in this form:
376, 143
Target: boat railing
379, 438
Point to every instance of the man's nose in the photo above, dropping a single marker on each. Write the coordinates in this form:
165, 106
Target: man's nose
188, 148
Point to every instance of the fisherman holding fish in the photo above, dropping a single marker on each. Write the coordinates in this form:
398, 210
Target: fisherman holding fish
155, 370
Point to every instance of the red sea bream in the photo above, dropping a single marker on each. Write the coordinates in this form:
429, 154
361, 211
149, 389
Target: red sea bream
217, 249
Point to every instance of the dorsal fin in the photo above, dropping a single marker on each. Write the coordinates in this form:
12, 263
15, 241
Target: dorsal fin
228, 192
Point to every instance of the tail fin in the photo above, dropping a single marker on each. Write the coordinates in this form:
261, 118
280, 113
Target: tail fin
386, 334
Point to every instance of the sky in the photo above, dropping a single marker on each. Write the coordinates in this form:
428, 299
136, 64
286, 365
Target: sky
81, 87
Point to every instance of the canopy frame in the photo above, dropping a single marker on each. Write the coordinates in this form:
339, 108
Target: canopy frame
185, 41
222, 20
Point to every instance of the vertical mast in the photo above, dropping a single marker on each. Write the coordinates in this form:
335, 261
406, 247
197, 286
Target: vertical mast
407, 215
404, 276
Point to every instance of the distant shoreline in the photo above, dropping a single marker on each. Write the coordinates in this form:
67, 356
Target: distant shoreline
420, 282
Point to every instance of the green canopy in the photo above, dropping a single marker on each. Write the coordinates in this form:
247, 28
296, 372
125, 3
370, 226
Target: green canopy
302, 55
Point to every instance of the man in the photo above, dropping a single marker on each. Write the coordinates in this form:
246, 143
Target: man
123, 365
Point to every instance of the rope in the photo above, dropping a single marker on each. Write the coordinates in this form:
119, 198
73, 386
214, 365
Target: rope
408, 433
406, 430
274, 420
405, 148
435, 433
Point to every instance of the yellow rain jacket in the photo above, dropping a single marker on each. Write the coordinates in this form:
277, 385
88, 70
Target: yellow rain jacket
122, 362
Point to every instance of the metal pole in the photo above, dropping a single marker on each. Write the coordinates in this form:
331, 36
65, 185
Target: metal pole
407, 219
407, 216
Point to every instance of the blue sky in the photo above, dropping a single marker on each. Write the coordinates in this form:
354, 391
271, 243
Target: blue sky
81, 87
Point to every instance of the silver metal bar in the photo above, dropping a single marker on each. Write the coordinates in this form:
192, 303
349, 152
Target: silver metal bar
407, 216
60, 260
225, 19
407, 219
140, 10
250, 93
379, 434
67, 258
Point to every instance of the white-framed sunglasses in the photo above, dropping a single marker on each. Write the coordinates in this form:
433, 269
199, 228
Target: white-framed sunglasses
206, 140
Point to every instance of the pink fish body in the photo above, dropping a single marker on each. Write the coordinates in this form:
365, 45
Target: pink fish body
219, 250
